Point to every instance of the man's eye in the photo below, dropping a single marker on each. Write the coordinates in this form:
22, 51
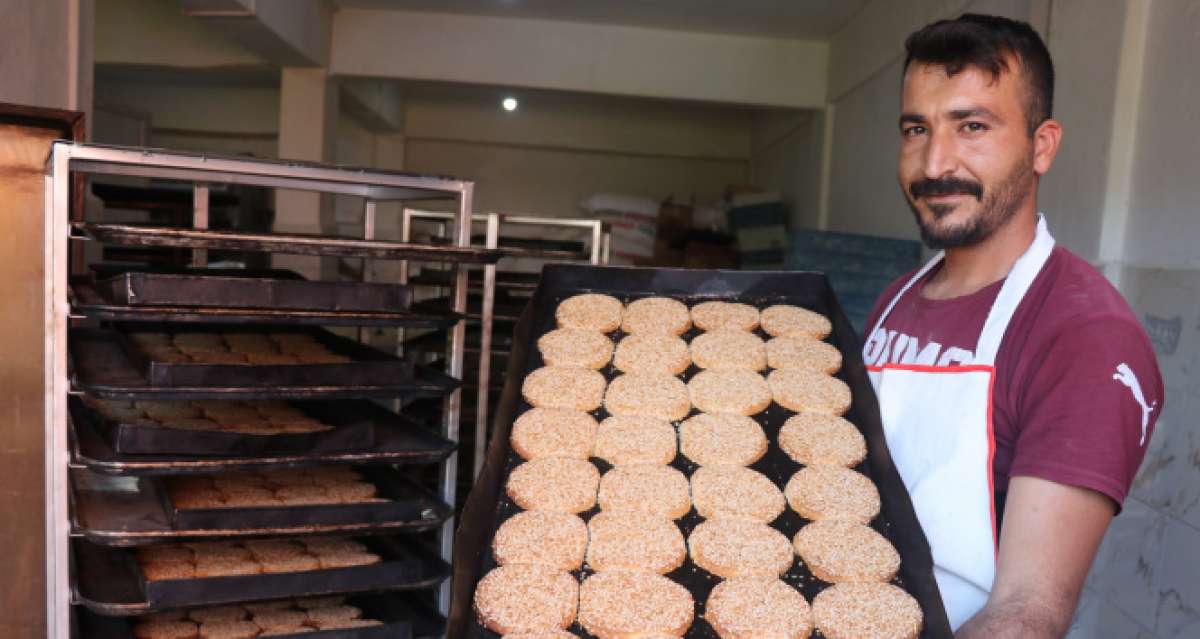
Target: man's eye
974, 127
910, 131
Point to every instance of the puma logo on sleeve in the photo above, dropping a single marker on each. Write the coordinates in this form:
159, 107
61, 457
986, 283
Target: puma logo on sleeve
1125, 375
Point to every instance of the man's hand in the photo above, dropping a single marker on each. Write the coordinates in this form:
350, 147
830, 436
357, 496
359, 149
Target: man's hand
1050, 535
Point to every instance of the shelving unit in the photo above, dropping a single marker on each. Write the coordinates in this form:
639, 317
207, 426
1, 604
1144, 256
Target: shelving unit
489, 280
98, 499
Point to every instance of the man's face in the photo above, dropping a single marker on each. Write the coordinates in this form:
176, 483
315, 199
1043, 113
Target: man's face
966, 156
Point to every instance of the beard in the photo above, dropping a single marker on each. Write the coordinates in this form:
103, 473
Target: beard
997, 205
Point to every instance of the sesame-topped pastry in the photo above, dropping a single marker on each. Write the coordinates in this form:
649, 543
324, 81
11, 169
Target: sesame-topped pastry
553, 483
728, 349
541, 537
809, 391
734, 491
656, 315
729, 391
820, 439
751, 608
799, 351
659, 353
652, 395
590, 311
522, 597
877, 610
554, 432
569, 387
841, 551
740, 548
711, 439
711, 316
648, 488
783, 319
635, 439
632, 540
634, 604
832, 492
575, 347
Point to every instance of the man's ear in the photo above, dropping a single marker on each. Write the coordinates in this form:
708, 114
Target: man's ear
1046, 139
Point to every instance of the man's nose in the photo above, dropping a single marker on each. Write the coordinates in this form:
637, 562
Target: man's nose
941, 155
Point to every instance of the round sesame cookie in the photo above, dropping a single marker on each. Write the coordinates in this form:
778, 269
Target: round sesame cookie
554, 432
513, 598
809, 391
268, 619
819, 439
660, 396
832, 492
805, 353
167, 629
711, 439
740, 548
647, 488
729, 349
631, 540
544, 633
734, 491
661, 353
561, 485
339, 612
568, 387
711, 316
841, 551
879, 611
656, 315
783, 319
751, 608
229, 630
590, 311
575, 347
635, 439
161, 570
634, 604
541, 537
729, 391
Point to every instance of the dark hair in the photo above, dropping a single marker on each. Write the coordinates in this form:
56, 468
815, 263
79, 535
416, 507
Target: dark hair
986, 42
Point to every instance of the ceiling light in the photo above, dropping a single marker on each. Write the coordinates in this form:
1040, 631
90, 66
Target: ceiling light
510, 104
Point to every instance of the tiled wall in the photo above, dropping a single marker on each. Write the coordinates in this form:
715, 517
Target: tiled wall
1145, 582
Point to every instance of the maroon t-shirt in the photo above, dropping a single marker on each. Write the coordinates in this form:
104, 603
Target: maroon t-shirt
1069, 372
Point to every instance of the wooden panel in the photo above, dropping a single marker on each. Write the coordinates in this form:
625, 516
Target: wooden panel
24, 146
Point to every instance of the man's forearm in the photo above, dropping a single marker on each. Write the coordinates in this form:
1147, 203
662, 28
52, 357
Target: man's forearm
1015, 620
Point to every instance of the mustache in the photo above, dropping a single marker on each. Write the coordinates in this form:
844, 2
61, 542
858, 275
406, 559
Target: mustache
945, 186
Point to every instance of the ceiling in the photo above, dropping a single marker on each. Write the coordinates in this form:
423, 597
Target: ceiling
805, 19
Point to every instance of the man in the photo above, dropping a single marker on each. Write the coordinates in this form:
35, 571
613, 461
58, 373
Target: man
1017, 389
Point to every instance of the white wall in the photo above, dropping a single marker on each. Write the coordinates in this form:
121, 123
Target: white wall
156, 33
557, 150
786, 157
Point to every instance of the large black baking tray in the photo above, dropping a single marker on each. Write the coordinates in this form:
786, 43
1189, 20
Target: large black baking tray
240, 288
86, 300
404, 615
296, 244
487, 506
130, 511
353, 425
368, 365
101, 367
398, 440
109, 581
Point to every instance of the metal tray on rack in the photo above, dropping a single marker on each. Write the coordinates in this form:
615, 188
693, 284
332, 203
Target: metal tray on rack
353, 425
293, 243
368, 365
398, 440
86, 300
404, 615
130, 511
110, 582
487, 506
102, 368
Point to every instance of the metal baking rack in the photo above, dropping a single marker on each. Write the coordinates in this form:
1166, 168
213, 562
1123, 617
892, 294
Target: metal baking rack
78, 458
484, 285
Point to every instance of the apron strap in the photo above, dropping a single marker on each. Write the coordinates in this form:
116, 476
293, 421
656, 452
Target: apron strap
1019, 279
937, 259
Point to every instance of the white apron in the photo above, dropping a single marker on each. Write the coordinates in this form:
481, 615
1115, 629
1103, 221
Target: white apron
938, 423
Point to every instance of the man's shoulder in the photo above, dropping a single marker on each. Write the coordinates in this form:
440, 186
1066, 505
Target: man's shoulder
1070, 292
